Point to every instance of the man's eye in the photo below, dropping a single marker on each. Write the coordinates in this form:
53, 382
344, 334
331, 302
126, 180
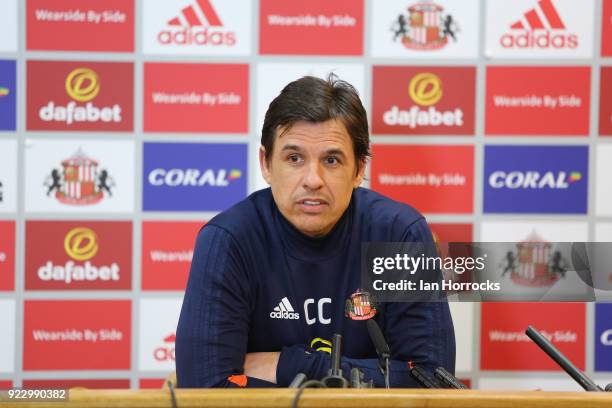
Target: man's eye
294, 158
332, 160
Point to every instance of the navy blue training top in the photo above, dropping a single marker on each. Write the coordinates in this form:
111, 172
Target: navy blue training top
258, 284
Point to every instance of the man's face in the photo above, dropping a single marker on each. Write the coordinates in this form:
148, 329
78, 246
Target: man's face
312, 172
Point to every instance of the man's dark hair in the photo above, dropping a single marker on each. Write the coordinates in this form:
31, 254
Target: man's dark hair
313, 99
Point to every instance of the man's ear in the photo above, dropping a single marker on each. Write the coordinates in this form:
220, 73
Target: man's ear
360, 173
263, 164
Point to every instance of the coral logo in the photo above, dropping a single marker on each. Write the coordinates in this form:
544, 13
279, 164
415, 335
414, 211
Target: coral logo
533, 179
603, 337
166, 352
425, 27
82, 84
197, 24
425, 89
7, 94
540, 27
606, 338
193, 176
81, 243
536, 179
80, 182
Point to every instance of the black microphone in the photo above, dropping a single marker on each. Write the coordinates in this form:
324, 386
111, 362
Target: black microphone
558, 357
298, 380
448, 379
382, 348
422, 377
334, 377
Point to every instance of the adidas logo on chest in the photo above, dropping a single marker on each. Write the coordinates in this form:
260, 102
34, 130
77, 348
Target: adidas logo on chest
284, 310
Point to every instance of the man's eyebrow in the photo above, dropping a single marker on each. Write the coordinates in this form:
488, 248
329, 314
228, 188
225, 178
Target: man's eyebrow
291, 147
334, 151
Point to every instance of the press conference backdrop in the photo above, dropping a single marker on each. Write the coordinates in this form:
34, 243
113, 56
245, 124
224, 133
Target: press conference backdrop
126, 124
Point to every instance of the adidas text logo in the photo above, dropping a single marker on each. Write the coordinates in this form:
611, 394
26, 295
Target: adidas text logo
284, 310
541, 27
198, 24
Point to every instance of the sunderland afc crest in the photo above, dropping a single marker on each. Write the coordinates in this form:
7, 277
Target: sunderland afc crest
426, 27
360, 306
80, 181
534, 263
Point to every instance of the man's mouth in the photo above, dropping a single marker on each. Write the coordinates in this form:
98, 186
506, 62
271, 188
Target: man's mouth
312, 205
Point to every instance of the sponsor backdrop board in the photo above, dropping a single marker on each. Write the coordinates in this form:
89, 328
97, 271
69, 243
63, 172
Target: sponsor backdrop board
605, 101
603, 199
606, 29
537, 101
539, 29
99, 383
7, 256
74, 25
8, 95
410, 29
206, 98
423, 100
9, 26
535, 179
8, 176
316, 27
603, 337
7, 340
97, 331
505, 346
125, 126
73, 255
158, 319
436, 179
193, 176
79, 176
197, 27
167, 249
80, 95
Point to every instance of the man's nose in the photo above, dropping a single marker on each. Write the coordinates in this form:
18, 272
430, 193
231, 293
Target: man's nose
313, 179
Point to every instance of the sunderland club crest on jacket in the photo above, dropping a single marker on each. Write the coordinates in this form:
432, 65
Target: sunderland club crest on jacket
80, 181
360, 306
425, 27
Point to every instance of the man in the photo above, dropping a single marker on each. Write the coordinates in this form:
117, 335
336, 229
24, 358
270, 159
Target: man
270, 276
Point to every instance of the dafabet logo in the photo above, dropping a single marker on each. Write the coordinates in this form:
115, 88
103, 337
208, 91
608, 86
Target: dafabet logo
78, 255
423, 100
79, 96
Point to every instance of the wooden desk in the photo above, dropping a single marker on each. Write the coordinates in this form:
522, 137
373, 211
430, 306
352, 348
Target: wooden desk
329, 398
